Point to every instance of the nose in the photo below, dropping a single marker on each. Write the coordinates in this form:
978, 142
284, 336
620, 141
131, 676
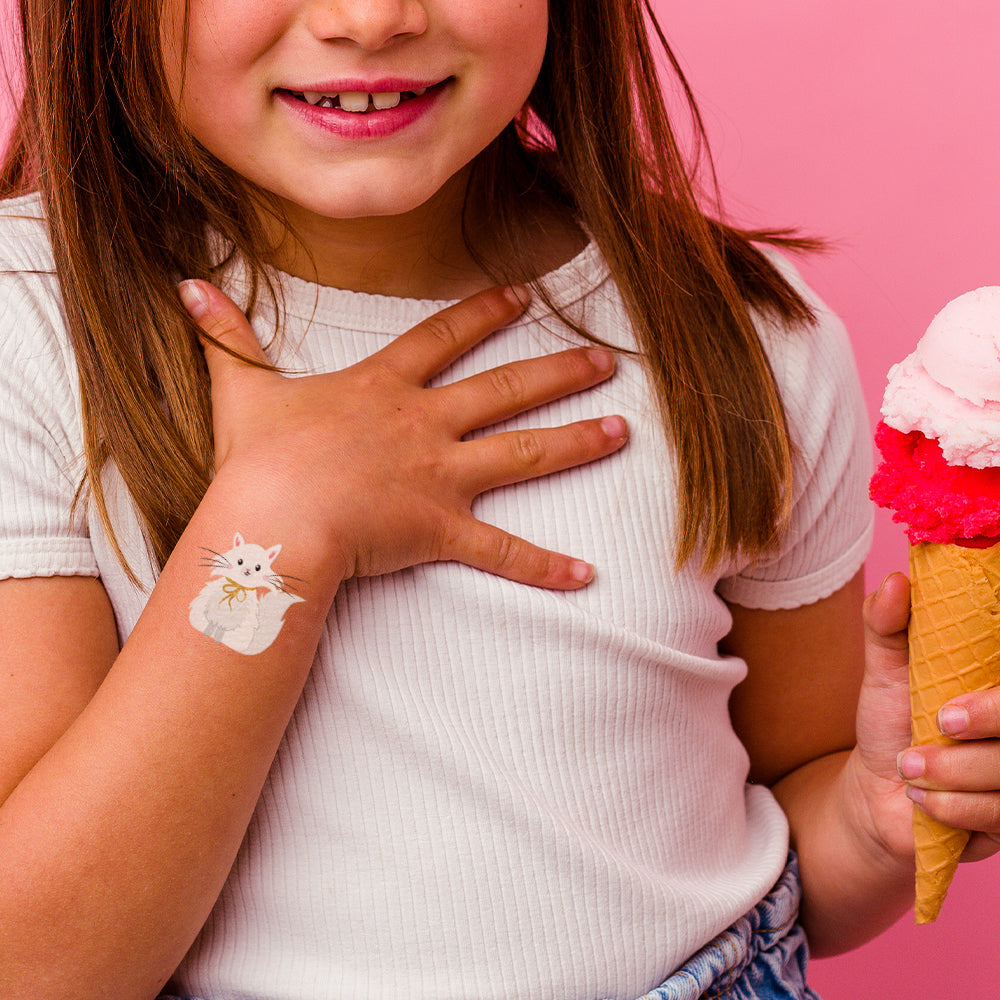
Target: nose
370, 24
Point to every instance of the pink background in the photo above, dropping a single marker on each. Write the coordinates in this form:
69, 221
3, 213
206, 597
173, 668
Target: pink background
872, 123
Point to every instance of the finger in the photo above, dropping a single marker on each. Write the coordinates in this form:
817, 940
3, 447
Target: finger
486, 547
514, 456
226, 331
981, 846
972, 716
430, 346
961, 810
966, 767
502, 392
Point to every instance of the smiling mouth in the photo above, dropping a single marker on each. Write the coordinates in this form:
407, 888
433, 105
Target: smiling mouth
358, 102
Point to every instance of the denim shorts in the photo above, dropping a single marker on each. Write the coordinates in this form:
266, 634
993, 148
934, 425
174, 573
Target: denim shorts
762, 956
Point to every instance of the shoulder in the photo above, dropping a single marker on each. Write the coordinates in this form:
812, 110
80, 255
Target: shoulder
830, 528
29, 291
24, 236
31, 311
813, 364
793, 345
36, 359
41, 439
817, 376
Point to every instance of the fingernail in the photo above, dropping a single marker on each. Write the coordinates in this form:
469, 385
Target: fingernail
910, 765
603, 361
518, 295
915, 794
581, 571
614, 427
194, 299
952, 720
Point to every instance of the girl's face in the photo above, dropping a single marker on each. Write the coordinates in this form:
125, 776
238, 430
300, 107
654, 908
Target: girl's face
352, 108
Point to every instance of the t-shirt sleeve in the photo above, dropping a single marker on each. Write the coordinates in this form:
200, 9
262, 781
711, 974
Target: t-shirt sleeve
41, 463
831, 523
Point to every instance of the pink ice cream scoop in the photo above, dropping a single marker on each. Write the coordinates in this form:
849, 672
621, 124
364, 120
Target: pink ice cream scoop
940, 433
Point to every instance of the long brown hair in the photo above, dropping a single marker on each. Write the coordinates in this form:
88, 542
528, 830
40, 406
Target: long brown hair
130, 200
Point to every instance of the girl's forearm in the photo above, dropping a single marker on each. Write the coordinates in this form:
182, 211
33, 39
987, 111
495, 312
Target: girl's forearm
115, 846
854, 883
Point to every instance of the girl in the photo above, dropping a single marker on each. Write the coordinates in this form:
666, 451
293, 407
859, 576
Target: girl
303, 697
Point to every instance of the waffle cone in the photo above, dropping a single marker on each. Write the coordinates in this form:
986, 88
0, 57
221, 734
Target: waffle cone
954, 639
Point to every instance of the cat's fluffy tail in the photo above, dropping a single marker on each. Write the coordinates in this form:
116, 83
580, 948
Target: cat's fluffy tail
273, 606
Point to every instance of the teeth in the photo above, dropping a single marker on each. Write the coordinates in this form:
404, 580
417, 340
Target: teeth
358, 102
354, 101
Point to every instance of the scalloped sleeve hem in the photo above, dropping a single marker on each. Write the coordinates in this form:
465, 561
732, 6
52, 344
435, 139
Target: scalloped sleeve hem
28, 557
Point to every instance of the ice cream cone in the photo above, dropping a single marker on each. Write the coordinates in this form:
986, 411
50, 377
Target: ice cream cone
939, 440
954, 639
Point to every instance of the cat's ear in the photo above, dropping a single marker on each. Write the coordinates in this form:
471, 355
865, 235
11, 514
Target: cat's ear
272, 553
237, 540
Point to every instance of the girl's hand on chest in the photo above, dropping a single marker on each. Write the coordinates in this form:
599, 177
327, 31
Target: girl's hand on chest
374, 463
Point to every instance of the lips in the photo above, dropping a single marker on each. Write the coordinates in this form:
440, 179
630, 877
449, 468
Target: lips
362, 110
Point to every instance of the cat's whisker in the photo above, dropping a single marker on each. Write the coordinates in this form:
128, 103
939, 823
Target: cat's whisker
212, 559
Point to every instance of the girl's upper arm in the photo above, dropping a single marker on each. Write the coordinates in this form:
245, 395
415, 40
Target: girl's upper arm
59, 639
804, 669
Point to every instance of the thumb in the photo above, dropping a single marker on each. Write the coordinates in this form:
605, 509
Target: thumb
884, 706
224, 328
887, 614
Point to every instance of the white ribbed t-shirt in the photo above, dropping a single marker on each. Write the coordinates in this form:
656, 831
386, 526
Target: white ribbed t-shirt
487, 790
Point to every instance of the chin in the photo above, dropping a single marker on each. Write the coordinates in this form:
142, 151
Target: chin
370, 193
368, 207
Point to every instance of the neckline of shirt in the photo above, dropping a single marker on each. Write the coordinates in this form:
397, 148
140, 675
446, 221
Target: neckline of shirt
371, 313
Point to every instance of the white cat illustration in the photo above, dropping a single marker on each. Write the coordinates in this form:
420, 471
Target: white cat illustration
244, 605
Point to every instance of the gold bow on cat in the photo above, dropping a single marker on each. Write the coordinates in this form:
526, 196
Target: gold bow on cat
233, 591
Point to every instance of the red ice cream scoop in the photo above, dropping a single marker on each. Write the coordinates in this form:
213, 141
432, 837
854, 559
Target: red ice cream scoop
935, 501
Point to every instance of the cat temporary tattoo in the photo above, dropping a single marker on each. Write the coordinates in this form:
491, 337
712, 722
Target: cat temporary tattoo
243, 606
